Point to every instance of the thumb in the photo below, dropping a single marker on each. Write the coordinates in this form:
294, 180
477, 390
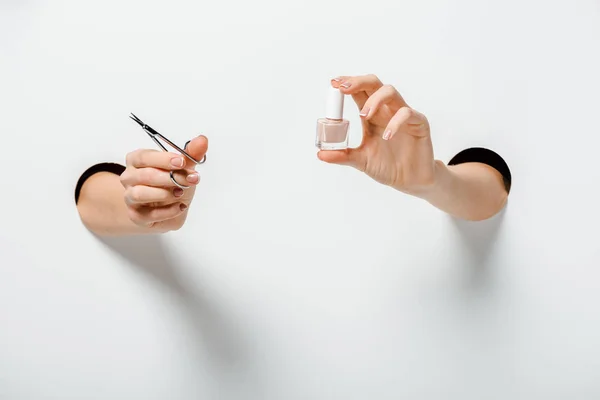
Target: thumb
196, 148
351, 157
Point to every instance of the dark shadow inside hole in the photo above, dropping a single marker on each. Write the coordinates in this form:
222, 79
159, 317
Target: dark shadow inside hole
101, 167
485, 156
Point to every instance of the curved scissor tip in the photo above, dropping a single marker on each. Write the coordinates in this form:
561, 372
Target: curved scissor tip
136, 119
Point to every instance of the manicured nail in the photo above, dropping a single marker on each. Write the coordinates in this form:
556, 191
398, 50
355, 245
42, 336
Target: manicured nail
387, 134
182, 207
345, 85
365, 112
177, 161
177, 192
337, 79
193, 178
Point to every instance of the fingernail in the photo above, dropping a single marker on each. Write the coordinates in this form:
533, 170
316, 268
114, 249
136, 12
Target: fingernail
193, 178
345, 85
337, 79
182, 207
177, 161
387, 134
177, 192
365, 112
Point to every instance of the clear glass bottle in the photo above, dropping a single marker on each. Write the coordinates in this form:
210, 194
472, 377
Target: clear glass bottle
332, 131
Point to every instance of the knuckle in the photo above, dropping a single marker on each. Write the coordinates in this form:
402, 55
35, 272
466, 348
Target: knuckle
134, 194
125, 177
133, 156
414, 130
388, 89
405, 112
135, 216
146, 176
142, 158
373, 80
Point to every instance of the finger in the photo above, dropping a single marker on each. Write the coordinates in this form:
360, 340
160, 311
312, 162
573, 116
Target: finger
406, 117
360, 88
335, 82
137, 195
387, 95
362, 83
196, 148
144, 158
351, 157
359, 97
157, 177
148, 216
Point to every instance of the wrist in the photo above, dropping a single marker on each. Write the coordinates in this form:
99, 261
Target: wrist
433, 186
440, 187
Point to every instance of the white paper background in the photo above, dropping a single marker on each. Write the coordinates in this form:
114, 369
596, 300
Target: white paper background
293, 279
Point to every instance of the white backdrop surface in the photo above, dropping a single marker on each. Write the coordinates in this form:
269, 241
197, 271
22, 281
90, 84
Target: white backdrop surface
293, 279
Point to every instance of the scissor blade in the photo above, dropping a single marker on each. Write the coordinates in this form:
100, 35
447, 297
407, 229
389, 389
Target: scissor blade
136, 119
144, 126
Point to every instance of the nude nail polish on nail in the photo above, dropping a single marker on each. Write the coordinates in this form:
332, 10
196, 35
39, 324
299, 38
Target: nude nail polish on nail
365, 112
182, 207
193, 178
345, 85
177, 161
332, 131
177, 192
387, 134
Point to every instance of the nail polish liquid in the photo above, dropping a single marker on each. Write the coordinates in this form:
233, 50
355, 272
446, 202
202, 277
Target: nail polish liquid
332, 131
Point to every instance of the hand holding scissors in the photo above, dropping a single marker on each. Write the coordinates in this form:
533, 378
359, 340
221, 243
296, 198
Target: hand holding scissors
160, 185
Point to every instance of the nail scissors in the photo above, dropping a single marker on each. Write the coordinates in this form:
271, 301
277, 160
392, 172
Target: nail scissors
154, 135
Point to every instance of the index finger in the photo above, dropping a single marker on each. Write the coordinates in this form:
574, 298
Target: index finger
359, 87
363, 83
144, 158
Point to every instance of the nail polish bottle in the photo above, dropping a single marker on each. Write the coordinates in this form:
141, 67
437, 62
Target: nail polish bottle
332, 131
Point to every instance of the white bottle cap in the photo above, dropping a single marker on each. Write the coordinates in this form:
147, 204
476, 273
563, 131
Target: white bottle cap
335, 104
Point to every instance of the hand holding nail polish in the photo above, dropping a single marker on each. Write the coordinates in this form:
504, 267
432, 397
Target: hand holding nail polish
396, 148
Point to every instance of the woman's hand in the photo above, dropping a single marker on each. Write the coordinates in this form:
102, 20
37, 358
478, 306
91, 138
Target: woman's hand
152, 200
396, 148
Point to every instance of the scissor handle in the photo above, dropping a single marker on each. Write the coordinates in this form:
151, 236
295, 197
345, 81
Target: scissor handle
197, 162
153, 134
